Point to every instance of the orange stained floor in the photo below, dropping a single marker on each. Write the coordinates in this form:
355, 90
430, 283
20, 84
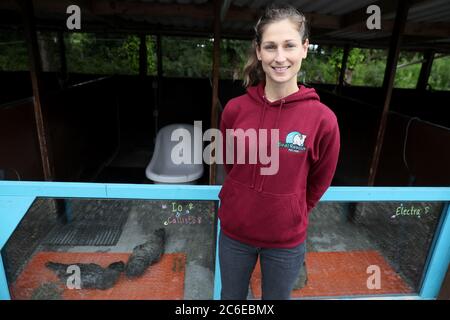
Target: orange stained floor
341, 274
162, 280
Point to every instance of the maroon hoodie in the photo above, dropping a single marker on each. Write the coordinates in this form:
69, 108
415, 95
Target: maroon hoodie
272, 210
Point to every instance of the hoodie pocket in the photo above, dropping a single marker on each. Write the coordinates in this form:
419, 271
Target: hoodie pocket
299, 215
257, 216
226, 199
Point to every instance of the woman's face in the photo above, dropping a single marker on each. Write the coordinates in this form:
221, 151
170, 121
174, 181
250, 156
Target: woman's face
281, 52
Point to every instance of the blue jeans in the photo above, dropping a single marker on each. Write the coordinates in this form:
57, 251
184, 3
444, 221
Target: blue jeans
279, 269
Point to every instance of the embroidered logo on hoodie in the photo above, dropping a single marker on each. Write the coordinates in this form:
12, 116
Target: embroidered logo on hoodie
295, 142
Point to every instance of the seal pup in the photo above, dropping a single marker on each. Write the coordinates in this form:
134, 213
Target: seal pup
92, 276
146, 254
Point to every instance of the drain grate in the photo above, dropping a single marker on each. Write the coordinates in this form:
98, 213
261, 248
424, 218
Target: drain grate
101, 226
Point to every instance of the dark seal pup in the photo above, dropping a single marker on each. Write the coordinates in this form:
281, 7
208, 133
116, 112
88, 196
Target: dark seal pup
146, 254
92, 275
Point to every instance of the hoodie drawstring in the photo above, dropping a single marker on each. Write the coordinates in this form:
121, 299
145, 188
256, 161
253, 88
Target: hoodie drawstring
261, 119
276, 127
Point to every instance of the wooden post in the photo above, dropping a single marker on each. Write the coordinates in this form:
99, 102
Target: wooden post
215, 79
388, 82
425, 70
142, 56
159, 63
157, 84
343, 67
62, 57
27, 10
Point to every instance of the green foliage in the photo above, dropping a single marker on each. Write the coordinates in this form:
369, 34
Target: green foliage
234, 55
440, 74
13, 52
369, 71
150, 42
184, 57
192, 57
90, 53
320, 65
408, 70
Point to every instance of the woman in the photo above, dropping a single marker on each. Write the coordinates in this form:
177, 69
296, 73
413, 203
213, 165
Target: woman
264, 215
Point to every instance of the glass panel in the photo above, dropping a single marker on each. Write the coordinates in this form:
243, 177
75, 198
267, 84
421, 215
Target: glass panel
113, 249
365, 249
392, 237
353, 249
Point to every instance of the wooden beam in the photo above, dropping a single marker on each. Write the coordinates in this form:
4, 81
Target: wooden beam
105, 11
425, 70
159, 62
358, 17
142, 56
355, 21
62, 57
27, 10
215, 80
422, 29
425, 29
343, 67
323, 21
388, 83
157, 85
224, 9
135, 8
152, 9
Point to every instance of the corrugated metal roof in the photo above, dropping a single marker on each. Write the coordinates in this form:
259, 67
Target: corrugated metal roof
436, 11
326, 15
430, 11
334, 7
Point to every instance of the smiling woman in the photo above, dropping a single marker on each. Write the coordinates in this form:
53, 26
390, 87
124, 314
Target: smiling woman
266, 216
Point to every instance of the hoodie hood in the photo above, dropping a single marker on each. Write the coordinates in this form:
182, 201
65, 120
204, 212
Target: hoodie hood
303, 94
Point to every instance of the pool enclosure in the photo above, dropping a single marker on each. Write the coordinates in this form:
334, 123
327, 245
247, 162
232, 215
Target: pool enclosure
363, 242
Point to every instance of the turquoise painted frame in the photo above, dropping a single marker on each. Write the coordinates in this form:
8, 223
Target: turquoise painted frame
17, 197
